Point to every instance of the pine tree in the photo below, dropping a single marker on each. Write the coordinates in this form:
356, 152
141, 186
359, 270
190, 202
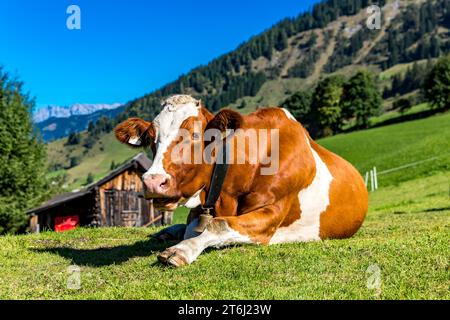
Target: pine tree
402, 105
299, 104
90, 178
282, 40
23, 164
326, 113
74, 161
91, 127
73, 139
436, 88
361, 98
434, 47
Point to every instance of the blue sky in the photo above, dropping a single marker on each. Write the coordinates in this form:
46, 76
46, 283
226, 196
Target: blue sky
124, 48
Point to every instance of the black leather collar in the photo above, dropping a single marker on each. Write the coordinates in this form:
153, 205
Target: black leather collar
217, 180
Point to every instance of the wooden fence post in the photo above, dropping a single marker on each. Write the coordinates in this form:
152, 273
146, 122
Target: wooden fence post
372, 182
167, 217
375, 177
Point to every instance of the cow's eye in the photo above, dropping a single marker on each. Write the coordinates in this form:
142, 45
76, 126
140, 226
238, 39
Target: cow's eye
196, 136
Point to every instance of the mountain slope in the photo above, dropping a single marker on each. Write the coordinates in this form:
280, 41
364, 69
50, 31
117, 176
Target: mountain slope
331, 38
268, 56
77, 109
58, 127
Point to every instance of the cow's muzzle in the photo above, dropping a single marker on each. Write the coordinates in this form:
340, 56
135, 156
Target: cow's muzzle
157, 186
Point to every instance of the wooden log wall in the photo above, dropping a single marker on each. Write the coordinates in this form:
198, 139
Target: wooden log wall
129, 180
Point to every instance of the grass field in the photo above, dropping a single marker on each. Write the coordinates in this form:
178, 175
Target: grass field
391, 115
399, 69
406, 236
97, 161
397, 145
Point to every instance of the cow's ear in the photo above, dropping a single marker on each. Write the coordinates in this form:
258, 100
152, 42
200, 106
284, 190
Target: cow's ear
225, 119
135, 132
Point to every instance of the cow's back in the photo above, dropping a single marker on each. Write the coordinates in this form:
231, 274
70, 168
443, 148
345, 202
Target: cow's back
348, 197
320, 194
332, 199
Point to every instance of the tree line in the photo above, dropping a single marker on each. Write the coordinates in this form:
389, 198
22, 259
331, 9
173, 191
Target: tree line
411, 80
336, 101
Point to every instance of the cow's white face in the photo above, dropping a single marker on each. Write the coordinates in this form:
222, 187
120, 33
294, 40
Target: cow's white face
168, 181
167, 125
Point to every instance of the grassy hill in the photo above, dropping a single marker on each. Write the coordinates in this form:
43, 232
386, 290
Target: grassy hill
397, 145
96, 160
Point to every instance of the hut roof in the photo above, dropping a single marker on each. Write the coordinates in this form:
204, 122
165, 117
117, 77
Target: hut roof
59, 199
140, 160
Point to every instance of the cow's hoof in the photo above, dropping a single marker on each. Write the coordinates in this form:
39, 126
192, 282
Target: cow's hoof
173, 257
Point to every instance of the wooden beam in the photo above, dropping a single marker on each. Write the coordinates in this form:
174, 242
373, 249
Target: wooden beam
153, 221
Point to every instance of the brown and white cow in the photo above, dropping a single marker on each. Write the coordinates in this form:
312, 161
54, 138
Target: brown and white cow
314, 194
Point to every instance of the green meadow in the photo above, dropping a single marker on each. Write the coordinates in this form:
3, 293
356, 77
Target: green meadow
424, 141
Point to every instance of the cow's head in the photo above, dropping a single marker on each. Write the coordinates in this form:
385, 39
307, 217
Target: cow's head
168, 181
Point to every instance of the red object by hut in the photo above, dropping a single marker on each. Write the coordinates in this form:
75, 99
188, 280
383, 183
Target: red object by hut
66, 223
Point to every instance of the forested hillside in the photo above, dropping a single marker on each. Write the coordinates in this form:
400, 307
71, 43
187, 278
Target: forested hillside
325, 40
288, 49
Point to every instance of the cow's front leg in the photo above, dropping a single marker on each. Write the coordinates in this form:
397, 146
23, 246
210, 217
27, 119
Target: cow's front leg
254, 227
217, 234
180, 231
175, 232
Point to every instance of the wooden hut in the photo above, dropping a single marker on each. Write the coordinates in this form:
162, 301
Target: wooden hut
115, 200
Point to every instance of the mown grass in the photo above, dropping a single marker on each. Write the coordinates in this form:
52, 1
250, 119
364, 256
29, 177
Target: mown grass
395, 114
397, 145
406, 235
399, 68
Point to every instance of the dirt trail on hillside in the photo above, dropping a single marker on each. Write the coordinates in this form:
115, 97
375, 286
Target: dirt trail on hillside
293, 56
390, 11
320, 64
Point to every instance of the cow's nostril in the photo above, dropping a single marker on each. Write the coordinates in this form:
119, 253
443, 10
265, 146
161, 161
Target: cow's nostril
164, 183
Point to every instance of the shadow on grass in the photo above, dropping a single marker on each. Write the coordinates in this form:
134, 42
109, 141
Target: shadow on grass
408, 117
401, 118
423, 211
107, 256
437, 209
